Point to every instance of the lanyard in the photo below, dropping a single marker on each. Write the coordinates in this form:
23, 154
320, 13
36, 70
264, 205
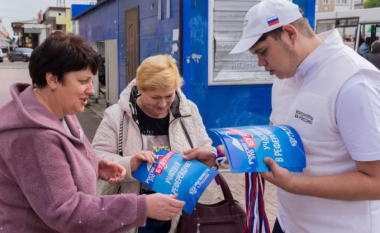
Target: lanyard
257, 221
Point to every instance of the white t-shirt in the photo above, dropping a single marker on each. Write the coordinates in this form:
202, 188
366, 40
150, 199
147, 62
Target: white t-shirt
358, 117
66, 126
340, 91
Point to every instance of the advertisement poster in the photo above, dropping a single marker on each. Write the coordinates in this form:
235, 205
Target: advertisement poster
246, 147
171, 174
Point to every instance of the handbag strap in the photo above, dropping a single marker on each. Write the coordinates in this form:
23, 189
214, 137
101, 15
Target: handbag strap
120, 143
226, 190
187, 134
223, 184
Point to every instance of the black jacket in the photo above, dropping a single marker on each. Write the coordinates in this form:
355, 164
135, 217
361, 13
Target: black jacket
374, 58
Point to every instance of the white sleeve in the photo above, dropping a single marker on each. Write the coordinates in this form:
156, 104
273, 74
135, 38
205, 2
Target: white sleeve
201, 136
106, 141
358, 117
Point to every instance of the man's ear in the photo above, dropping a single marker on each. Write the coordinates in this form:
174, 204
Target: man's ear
51, 81
291, 33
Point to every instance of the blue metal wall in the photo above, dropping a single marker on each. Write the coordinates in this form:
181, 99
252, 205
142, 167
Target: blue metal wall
308, 7
101, 23
220, 106
156, 36
77, 9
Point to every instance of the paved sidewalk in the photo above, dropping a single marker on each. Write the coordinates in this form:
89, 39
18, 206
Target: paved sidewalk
98, 108
90, 121
6, 65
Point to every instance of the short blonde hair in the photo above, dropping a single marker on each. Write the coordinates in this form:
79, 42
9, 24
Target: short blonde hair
158, 72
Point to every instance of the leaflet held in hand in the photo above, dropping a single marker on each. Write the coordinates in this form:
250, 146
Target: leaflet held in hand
246, 147
171, 174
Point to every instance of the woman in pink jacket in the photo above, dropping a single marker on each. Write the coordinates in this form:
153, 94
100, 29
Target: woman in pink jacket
48, 169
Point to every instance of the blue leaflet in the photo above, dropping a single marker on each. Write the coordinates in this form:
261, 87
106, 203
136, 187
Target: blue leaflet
246, 147
171, 174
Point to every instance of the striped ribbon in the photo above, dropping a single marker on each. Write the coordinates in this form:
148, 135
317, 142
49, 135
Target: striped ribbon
257, 221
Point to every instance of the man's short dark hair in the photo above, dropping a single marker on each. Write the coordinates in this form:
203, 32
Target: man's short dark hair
368, 40
59, 54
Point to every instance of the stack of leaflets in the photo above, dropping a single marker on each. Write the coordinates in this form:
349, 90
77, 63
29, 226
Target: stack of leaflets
246, 147
171, 174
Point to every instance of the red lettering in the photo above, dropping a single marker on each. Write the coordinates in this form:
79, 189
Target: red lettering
247, 138
163, 162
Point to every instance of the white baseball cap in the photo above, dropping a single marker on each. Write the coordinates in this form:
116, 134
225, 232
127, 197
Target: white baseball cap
265, 17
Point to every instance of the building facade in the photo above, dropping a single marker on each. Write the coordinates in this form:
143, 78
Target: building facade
29, 33
56, 19
228, 90
323, 6
4, 37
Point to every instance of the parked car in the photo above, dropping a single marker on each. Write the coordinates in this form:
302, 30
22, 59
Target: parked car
1, 56
20, 54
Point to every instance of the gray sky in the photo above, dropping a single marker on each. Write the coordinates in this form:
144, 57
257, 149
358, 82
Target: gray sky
20, 10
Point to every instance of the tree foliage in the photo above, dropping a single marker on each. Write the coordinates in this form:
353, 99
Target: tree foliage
371, 3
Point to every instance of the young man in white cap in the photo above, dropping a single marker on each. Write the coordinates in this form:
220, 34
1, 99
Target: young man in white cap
331, 96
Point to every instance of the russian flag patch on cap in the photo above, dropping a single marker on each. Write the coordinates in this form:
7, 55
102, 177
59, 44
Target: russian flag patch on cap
273, 21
